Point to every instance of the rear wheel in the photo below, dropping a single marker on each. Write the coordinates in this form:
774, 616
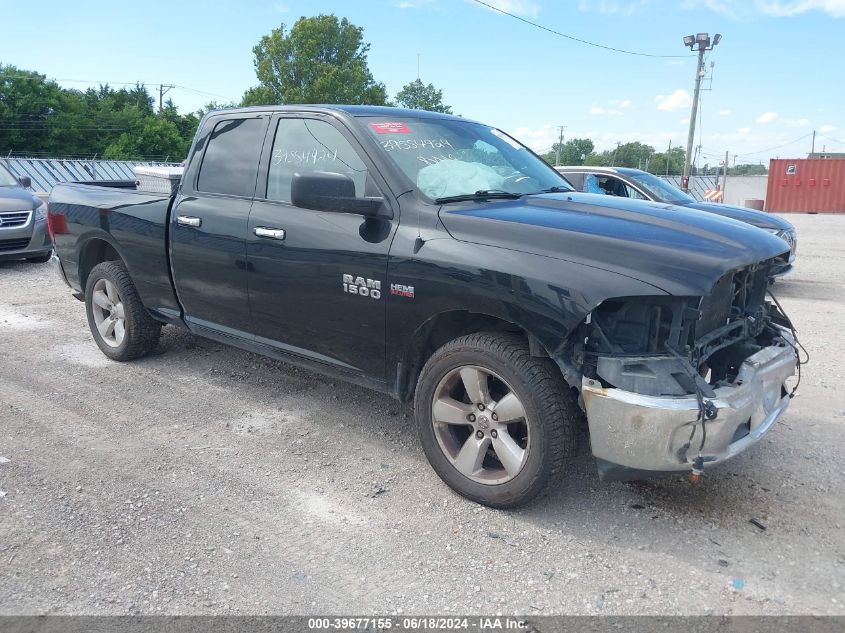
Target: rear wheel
495, 422
122, 327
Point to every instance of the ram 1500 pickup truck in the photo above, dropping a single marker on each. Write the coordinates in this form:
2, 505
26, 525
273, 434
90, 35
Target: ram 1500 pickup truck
441, 261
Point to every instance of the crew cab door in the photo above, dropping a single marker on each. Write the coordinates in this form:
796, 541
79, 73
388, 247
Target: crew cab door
318, 280
209, 223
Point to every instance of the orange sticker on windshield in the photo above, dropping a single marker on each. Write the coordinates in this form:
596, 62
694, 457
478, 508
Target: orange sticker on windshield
390, 127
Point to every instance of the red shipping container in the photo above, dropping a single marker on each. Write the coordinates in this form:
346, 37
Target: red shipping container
806, 185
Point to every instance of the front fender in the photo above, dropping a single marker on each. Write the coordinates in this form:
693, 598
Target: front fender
545, 297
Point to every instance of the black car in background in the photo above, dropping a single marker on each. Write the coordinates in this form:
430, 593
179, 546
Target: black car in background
23, 221
627, 182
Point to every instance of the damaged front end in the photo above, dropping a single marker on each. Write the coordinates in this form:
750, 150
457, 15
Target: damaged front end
674, 383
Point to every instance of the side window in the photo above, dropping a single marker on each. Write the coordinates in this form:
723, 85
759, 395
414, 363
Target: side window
633, 193
575, 179
307, 145
607, 184
230, 164
591, 184
615, 187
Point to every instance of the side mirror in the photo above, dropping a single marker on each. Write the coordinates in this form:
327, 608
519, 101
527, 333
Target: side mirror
26, 182
328, 191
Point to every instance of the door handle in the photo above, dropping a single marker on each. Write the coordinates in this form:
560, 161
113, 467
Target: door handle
274, 234
187, 220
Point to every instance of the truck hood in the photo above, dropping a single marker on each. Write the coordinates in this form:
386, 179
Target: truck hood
678, 250
16, 199
751, 216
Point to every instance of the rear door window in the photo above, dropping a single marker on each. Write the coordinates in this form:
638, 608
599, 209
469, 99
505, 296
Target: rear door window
230, 164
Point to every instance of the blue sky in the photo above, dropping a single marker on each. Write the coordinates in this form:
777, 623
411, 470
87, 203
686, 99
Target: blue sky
777, 73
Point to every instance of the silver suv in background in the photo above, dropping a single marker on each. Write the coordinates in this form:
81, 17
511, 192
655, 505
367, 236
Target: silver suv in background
627, 182
23, 221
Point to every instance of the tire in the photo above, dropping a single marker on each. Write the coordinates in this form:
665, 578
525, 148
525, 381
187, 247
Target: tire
492, 471
41, 259
129, 331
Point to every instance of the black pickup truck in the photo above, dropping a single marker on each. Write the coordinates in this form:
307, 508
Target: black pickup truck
437, 259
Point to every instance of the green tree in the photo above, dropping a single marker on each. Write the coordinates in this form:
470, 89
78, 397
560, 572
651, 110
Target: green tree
571, 152
319, 60
419, 96
27, 104
669, 162
39, 118
748, 169
157, 139
634, 154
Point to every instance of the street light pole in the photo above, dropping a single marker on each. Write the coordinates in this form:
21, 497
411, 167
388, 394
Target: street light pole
704, 44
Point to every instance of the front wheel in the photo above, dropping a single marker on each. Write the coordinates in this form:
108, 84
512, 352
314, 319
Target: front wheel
495, 422
122, 327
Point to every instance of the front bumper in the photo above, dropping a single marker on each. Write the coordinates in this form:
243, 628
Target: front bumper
779, 270
652, 433
31, 240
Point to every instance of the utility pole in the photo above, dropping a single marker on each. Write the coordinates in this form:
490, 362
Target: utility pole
704, 44
725, 176
613, 160
418, 66
559, 145
668, 156
163, 89
813, 146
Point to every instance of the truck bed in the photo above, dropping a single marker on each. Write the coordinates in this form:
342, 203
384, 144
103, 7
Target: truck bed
88, 217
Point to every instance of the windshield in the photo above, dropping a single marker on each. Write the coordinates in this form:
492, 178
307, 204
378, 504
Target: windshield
659, 189
446, 158
7, 179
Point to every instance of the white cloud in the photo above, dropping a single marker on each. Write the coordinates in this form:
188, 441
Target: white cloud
539, 139
795, 122
827, 129
524, 8
413, 4
611, 7
744, 130
722, 7
675, 101
789, 8
614, 107
744, 9
725, 112
774, 117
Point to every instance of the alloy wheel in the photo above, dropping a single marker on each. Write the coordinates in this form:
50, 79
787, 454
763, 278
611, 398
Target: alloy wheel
481, 425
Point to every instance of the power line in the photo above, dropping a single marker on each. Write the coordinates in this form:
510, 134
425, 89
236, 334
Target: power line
106, 82
572, 37
831, 139
769, 149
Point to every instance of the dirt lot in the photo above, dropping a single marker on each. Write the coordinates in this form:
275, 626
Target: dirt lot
207, 480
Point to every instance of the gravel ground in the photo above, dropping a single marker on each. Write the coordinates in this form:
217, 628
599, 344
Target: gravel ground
206, 480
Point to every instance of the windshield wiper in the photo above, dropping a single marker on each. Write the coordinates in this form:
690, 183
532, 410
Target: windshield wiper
481, 194
557, 189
